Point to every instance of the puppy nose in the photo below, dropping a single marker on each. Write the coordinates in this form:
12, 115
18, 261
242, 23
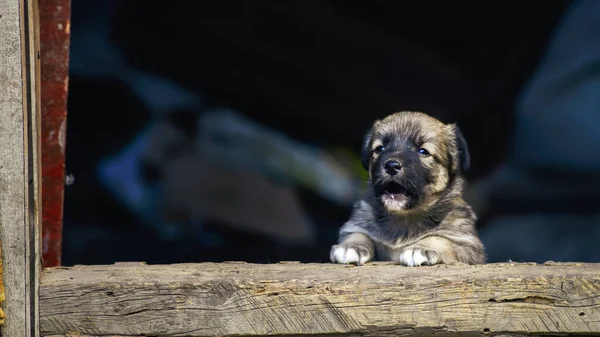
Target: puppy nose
392, 167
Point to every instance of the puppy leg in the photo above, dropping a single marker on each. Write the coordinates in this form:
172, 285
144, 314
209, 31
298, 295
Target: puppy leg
355, 248
428, 251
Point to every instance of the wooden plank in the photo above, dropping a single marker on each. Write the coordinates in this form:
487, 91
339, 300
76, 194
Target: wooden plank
379, 299
19, 165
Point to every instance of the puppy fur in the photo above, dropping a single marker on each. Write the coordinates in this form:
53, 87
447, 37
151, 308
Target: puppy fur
413, 211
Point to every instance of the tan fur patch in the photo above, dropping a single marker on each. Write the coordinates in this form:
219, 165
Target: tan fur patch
442, 246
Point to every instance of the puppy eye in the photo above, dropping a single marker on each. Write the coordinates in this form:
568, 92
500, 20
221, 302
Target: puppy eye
379, 149
423, 152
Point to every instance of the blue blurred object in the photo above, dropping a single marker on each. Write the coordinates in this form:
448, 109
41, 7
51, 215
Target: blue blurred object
558, 114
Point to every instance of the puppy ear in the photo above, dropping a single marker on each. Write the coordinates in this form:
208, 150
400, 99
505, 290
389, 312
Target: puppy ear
464, 157
365, 154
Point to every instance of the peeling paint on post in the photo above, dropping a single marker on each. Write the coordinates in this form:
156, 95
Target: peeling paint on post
55, 30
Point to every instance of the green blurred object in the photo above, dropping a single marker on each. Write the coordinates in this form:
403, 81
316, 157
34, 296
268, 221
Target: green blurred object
233, 139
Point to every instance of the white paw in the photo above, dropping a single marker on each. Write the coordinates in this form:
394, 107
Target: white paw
349, 254
414, 257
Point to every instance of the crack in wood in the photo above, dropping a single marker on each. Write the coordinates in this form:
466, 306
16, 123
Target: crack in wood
527, 299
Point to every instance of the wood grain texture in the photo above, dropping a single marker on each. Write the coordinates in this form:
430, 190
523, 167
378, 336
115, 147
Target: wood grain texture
379, 299
19, 165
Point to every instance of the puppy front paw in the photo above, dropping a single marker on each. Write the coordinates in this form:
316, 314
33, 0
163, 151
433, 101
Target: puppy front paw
414, 257
350, 254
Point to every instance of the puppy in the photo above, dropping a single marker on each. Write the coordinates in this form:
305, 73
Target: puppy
413, 211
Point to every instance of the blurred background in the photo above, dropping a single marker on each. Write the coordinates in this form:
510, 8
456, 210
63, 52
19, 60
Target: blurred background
230, 129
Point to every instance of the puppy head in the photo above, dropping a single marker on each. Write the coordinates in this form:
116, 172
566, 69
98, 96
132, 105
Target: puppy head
412, 158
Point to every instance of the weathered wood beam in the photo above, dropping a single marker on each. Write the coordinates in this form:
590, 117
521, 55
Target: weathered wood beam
378, 299
19, 165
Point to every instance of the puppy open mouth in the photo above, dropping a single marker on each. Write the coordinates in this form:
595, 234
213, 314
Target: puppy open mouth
395, 195
394, 188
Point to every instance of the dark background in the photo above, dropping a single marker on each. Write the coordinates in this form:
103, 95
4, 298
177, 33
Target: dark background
317, 73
